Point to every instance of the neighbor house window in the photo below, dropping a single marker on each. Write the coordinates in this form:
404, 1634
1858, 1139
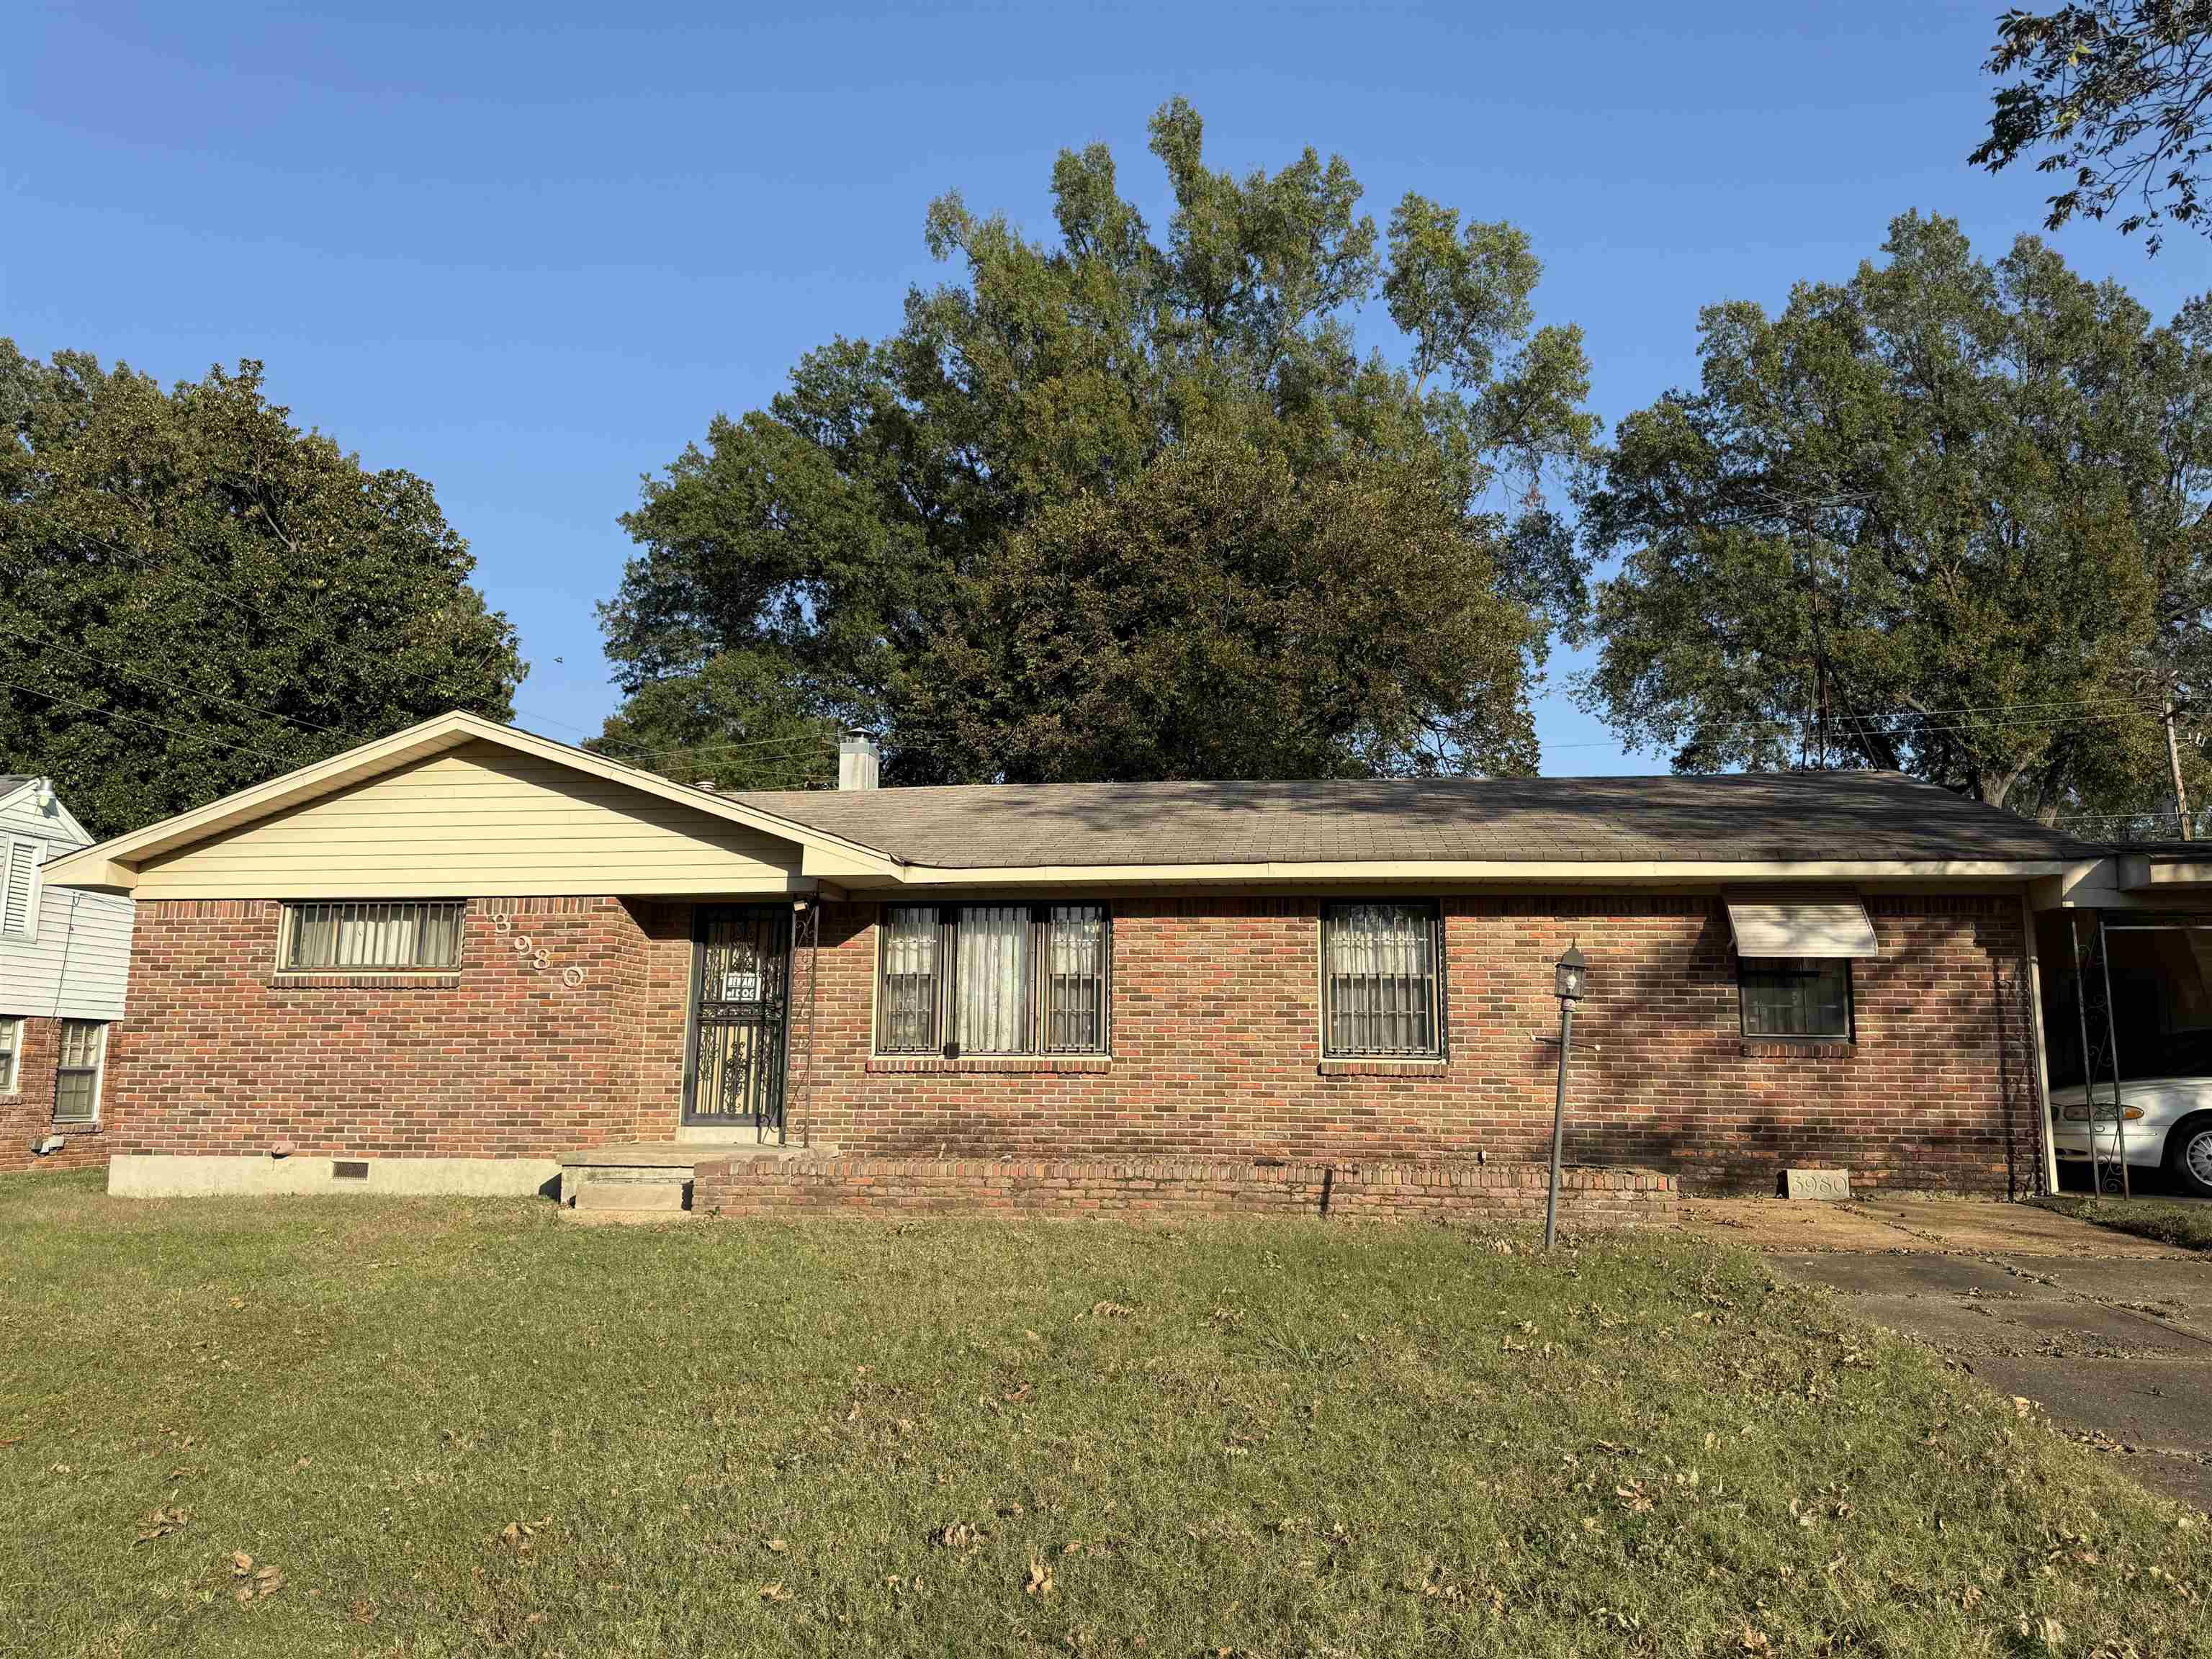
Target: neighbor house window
360, 937
994, 979
19, 887
11, 1051
77, 1079
1796, 996
1381, 996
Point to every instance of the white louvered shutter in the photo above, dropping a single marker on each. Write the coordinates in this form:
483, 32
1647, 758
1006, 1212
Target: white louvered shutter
18, 900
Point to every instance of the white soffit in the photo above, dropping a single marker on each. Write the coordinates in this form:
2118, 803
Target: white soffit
1836, 928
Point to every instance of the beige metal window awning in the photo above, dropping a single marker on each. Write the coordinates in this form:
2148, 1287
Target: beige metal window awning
1830, 929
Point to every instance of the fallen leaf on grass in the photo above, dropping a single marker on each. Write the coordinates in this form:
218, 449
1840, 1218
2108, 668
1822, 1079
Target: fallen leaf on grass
364, 1613
1110, 1310
1018, 1395
777, 1546
958, 1535
774, 1592
162, 1523
1039, 1579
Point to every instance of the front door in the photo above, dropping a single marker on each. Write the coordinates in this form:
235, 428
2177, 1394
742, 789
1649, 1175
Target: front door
741, 972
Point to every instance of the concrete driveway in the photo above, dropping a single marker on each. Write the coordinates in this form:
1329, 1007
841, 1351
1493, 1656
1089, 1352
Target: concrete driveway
2111, 1334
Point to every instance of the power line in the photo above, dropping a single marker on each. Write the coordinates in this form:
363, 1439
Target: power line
140, 719
170, 685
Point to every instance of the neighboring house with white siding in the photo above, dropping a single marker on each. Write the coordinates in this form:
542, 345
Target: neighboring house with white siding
64, 967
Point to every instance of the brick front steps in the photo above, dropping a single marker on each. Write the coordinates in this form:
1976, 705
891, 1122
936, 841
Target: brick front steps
745, 1185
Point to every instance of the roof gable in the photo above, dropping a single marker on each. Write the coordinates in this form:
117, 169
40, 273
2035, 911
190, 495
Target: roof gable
115, 863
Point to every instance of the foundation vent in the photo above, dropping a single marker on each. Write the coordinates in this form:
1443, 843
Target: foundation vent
349, 1168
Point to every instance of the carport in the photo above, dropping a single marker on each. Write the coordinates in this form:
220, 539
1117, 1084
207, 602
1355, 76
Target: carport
2125, 967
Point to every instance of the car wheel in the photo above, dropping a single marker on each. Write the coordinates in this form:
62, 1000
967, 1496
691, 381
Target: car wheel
2190, 1157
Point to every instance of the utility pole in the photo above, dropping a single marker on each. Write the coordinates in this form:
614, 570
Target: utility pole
2174, 764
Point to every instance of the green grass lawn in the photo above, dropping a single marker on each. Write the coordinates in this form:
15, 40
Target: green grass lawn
2169, 1220
458, 1427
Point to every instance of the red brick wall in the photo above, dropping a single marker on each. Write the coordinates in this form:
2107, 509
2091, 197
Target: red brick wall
501, 1059
1181, 1186
27, 1116
1217, 1051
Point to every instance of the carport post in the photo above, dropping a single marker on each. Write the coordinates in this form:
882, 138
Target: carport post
2048, 1122
2113, 1036
2082, 1015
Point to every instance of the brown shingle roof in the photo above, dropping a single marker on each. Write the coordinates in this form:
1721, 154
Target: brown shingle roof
1763, 817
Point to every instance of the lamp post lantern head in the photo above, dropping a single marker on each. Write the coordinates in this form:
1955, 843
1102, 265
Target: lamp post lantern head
1570, 975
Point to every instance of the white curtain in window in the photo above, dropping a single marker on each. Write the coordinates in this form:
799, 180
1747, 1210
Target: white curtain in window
990, 1013
378, 935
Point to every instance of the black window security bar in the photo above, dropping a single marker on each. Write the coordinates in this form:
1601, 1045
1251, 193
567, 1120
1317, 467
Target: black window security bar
1379, 982
374, 936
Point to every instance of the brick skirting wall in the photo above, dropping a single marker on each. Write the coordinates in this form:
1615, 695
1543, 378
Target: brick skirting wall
1181, 1186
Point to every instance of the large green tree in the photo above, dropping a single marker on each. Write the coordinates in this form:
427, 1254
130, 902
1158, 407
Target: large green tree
195, 595
1134, 505
2112, 96
1946, 517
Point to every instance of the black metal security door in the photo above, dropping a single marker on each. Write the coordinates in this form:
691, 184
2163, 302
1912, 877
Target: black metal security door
740, 1019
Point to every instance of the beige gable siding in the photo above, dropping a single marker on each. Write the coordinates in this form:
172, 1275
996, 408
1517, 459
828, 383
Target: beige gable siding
478, 819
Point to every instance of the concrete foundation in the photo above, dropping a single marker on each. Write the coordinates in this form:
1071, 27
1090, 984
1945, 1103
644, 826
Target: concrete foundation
151, 1174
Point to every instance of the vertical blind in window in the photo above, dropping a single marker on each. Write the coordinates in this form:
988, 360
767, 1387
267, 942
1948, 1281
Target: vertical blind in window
1379, 977
1795, 997
994, 979
362, 936
77, 1079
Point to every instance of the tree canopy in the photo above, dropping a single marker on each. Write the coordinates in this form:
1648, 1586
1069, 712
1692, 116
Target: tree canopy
2113, 93
1946, 517
1133, 505
195, 595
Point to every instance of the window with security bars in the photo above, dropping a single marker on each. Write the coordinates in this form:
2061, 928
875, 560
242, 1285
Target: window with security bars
1795, 997
1381, 998
76, 1078
360, 936
996, 979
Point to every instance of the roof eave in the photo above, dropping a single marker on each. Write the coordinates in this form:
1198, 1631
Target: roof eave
1500, 872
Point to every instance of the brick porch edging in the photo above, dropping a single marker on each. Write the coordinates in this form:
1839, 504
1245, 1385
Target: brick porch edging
1588, 1197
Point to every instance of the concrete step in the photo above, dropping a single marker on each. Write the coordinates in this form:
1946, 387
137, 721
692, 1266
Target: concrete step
600, 1193
624, 1218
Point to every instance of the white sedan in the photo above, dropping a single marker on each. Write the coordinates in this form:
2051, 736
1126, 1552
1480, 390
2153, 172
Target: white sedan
2168, 1122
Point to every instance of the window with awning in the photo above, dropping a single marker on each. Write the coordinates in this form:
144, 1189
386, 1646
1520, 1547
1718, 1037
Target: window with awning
1794, 965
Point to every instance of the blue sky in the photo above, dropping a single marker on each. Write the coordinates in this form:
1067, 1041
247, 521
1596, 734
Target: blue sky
528, 251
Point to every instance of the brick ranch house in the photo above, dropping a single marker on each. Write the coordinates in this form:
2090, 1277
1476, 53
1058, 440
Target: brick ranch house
465, 956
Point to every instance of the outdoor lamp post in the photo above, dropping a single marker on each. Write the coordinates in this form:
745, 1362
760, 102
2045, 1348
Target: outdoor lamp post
1568, 978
